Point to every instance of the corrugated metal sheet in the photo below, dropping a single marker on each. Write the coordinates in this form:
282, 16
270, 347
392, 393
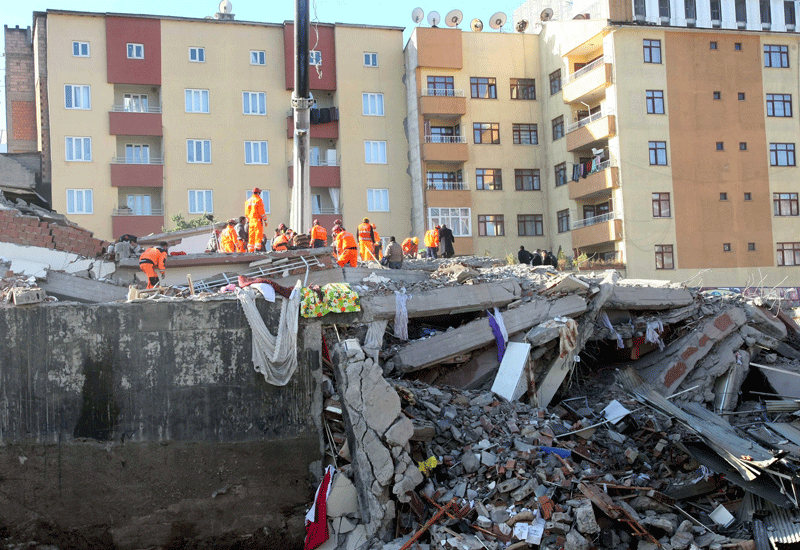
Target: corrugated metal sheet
789, 431
783, 527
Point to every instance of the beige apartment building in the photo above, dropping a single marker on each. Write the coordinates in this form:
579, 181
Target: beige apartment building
141, 118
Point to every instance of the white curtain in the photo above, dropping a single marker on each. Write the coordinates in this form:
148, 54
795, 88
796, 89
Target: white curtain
334, 192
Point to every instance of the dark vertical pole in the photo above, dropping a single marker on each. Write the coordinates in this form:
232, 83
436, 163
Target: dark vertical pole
300, 215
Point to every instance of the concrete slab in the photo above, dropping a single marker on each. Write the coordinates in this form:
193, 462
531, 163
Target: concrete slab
474, 373
648, 298
83, 290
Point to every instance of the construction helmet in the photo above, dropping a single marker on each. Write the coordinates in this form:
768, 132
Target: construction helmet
316, 222
416, 240
256, 191
366, 220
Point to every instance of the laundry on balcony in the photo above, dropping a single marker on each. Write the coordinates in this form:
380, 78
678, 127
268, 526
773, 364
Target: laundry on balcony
324, 115
585, 169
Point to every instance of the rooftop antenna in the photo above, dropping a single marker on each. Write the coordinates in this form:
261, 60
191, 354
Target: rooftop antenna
225, 9
454, 18
498, 20
434, 18
547, 14
476, 25
417, 15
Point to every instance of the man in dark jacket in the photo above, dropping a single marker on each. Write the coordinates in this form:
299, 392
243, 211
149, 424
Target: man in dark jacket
524, 256
537, 258
446, 239
551, 260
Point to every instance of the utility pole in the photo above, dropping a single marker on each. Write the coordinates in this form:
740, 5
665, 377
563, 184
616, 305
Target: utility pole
300, 215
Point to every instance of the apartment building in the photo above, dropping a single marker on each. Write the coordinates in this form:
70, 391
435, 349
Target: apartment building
140, 118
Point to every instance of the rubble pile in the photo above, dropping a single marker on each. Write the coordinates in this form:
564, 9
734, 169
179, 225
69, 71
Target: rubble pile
21, 290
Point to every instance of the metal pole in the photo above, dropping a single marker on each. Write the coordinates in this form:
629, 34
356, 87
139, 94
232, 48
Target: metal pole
300, 215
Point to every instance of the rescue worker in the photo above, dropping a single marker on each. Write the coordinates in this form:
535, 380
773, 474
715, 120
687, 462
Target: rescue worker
152, 259
394, 254
366, 240
228, 238
432, 242
346, 249
280, 242
257, 218
318, 235
411, 247
241, 246
377, 250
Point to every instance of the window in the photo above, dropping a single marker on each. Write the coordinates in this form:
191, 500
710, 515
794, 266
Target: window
445, 180
766, 12
370, 59
788, 13
197, 55
776, 56
751, 246
658, 153
561, 174
530, 225
743, 146
196, 101
748, 196
77, 97
443, 134
525, 134
655, 102
663, 9
716, 12
555, 82
80, 49
372, 104
526, 179
781, 154
79, 149
488, 179
377, 200
661, 205
726, 247
135, 51
441, 86
558, 127
258, 57
741, 96
256, 152
737, 46
483, 88
491, 225
136, 153
563, 220
140, 205
723, 196
690, 10
198, 150
315, 57
712, 45
459, 220
664, 258
779, 105
717, 95
254, 103
788, 254
523, 88
375, 152
486, 132
784, 204
652, 51
201, 201
79, 201
720, 146
134, 103
741, 13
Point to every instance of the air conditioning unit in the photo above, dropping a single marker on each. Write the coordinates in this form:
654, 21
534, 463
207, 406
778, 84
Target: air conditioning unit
716, 23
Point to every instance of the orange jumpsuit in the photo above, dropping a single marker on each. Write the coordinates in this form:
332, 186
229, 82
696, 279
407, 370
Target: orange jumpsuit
377, 246
254, 210
228, 239
366, 246
409, 247
279, 243
240, 245
432, 242
319, 236
346, 248
150, 260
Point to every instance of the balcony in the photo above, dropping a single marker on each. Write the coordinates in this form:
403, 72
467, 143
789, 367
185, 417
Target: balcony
144, 121
442, 103
322, 174
445, 148
605, 177
319, 129
592, 130
597, 230
140, 174
588, 84
125, 221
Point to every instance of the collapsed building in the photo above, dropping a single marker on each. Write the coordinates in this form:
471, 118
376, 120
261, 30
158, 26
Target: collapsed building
455, 403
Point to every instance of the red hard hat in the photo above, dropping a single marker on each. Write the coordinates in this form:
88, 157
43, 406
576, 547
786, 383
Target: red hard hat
316, 222
256, 191
337, 222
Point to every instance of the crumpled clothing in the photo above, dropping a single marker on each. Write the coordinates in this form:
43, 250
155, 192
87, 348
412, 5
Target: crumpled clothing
610, 327
336, 298
654, 331
280, 289
317, 516
498, 337
267, 291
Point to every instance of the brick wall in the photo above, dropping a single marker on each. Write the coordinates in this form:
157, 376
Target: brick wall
23, 114
42, 106
17, 228
20, 92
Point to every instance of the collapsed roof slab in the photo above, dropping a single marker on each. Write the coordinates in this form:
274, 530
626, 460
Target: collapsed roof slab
647, 298
80, 289
476, 334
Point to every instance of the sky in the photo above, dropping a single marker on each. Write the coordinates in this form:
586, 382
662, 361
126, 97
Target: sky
393, 13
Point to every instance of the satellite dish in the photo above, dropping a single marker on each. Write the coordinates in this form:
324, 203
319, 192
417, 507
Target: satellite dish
434, 18
476, 25
521, 25
225, 6
454, 17
579, 16
498, 20
417, 15
546, 15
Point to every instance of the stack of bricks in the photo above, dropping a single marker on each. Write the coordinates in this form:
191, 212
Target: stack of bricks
30, 231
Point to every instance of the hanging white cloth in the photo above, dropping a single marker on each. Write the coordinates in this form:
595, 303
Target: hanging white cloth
273, 356
334, 194
268, 291
375, 331
609, 326
401, 314
654, 331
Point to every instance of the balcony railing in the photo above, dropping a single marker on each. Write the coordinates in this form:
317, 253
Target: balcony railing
589, 119
325, 211
595, 220
600, 167
448, 186
126, 160
130, 212
434, 138
321, 162
128, 109
439, 92
583, 70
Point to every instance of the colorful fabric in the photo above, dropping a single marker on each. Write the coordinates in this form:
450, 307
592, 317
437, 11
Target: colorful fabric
317, 516
336, 298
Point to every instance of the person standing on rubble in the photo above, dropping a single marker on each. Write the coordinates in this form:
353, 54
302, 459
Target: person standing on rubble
346, 249
257, 219
366, 240
447, 239
152, 259
227, 239
318, 235
432, 242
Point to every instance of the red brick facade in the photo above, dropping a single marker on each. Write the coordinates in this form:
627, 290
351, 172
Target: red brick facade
30, 231
20, 94
23, 113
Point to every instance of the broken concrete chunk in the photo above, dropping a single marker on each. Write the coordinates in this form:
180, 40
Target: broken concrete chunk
342, 500
585, 521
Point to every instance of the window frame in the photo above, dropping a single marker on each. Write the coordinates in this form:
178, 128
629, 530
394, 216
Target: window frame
650, 47
664, 252
456, 218
72, 93
143, 150
555, 82
558, 127
315, 57
653, 101
146, 207
366, 58
495, 176
199, 53
787, 200
69, 144
782, 248
521, 175
775, 153
259, 56
251, 147
441, 83
494, 221
192, 153
201, 94
781, 50
247, 103
382, 195
562, 220
775, 100
382, 149
207, 194
529, 129
560, 174
133, 99
80, 44
535, 221
659, 200
654, 147
366, 104
134, 47
83, 192
523, 88
475, 84
478, 132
